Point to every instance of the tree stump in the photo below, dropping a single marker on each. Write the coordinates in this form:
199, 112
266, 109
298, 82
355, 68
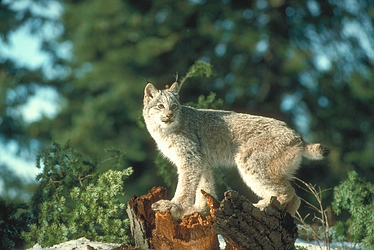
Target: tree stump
192, 232
150, 230
142, 217
242, 225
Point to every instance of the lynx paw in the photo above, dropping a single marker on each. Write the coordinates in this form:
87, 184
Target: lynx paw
262, 204
166, 205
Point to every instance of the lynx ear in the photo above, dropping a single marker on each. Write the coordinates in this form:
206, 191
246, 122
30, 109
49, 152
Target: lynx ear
174, 88
150, 92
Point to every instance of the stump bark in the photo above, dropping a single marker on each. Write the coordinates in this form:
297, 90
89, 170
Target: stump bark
142, 217
242, 225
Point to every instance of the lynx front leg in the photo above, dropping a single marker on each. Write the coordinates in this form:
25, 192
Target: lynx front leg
184, 197
186, 188
207, 184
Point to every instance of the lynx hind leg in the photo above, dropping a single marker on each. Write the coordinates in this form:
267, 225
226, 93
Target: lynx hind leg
282, 190
268, 175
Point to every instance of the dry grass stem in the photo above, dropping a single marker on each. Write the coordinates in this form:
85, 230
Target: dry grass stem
321, 216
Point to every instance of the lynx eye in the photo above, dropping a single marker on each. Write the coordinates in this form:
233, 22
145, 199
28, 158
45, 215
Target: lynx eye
174, 106
160, 106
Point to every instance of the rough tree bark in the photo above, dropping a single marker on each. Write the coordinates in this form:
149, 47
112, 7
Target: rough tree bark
242, 225
142, 217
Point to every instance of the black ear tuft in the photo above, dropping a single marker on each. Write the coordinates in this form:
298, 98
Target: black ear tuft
176, 76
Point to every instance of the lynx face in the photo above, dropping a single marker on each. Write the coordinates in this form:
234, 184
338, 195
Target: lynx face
162, 106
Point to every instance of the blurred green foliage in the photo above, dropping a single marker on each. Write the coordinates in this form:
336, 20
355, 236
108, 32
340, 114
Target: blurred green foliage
75, 200
298, 62
307, 63
199, 68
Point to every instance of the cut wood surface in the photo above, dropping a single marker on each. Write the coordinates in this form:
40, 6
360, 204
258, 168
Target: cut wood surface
242, 225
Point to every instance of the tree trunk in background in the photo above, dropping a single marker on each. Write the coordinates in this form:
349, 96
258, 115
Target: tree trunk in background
242, 225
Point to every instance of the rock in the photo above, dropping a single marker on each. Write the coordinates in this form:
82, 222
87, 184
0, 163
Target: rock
79, 244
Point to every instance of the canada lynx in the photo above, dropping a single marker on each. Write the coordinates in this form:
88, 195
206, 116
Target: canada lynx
265, 151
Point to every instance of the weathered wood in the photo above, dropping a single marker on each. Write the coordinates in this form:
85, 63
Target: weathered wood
150, 230
192, 232
142, 217
244, 226
241, 224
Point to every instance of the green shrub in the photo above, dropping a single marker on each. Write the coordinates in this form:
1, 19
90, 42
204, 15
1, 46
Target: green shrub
13, 220
357, 197
74, 200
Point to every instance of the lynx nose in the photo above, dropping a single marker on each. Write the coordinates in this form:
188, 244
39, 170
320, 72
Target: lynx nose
169, 114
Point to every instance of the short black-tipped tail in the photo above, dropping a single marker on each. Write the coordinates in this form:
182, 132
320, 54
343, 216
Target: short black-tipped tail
315, 151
